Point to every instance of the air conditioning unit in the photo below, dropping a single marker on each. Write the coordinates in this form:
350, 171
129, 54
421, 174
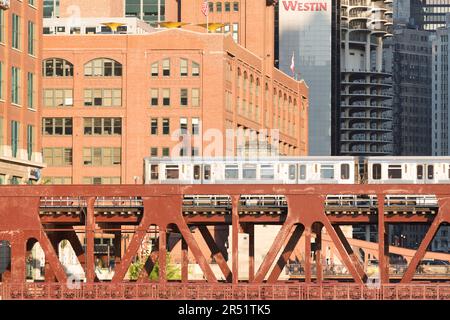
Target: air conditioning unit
4, 4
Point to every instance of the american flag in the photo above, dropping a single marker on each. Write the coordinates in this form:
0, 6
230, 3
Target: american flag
205, 8
293, 63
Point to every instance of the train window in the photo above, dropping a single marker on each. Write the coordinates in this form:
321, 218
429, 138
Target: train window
395, 171
345, 171
292, 172
207, 172
430, 172
302, 173
231, 171
376, 171
419, 172
327, 171
267, 172
197, 172
154, 172
249, 171
172, 172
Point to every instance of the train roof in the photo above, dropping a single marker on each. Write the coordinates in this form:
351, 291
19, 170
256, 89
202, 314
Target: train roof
250, 159
409, 158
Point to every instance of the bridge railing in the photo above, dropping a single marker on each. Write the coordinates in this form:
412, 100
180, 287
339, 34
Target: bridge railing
201, 291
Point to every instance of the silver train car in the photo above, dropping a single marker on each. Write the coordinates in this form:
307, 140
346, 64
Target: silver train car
298, 170
407, 170
279, 170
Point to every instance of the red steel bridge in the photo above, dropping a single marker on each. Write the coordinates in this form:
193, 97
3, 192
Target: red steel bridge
49, 214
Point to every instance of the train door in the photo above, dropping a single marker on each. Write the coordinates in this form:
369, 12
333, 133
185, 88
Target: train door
425, 173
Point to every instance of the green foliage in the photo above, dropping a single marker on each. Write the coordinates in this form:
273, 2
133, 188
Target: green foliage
172, 272
135, 269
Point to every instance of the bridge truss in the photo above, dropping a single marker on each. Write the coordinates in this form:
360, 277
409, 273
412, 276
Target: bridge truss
49, 214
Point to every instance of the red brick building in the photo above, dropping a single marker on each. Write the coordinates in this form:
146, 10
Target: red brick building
20, 91
110, 100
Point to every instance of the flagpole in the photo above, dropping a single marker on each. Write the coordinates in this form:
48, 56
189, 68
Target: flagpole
207, 16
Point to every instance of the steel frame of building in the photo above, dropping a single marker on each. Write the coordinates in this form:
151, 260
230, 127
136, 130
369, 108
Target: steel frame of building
22, 225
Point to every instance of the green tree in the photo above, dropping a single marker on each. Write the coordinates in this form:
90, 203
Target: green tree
172, 272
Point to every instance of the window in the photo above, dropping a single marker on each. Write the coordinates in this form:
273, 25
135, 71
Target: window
57, 126
194, 152
166, 67
327, 171
219, 7
249, 171
101, 180
292, 172
227, 7
165, 152
30, 90
302, 172
376, 171
231, 172
211, 6
165, 126
236, 32
430, 172
91, 30
154, 97
172, 172
195, 97
195, 126
57, 157
58, 97
267, 172
16, 31
154, 126
153, 152
57, 68
102, 156
103, 68
31, 38
235, 6
155, 69
15, 180
15, 90
183, 125
102, 126
166, 97
420, 172
2, 26
51, 8
57, 180
345, 171
197, 172
183, 97
103, 97
30, 141
195, 69
154, 172
395, 171
207, 172
183, 68
15, 129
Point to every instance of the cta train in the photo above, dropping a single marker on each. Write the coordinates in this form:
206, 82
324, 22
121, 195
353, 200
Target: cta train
298, 170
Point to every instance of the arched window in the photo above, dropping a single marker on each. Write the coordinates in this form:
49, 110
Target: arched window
103, 68
56, 67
